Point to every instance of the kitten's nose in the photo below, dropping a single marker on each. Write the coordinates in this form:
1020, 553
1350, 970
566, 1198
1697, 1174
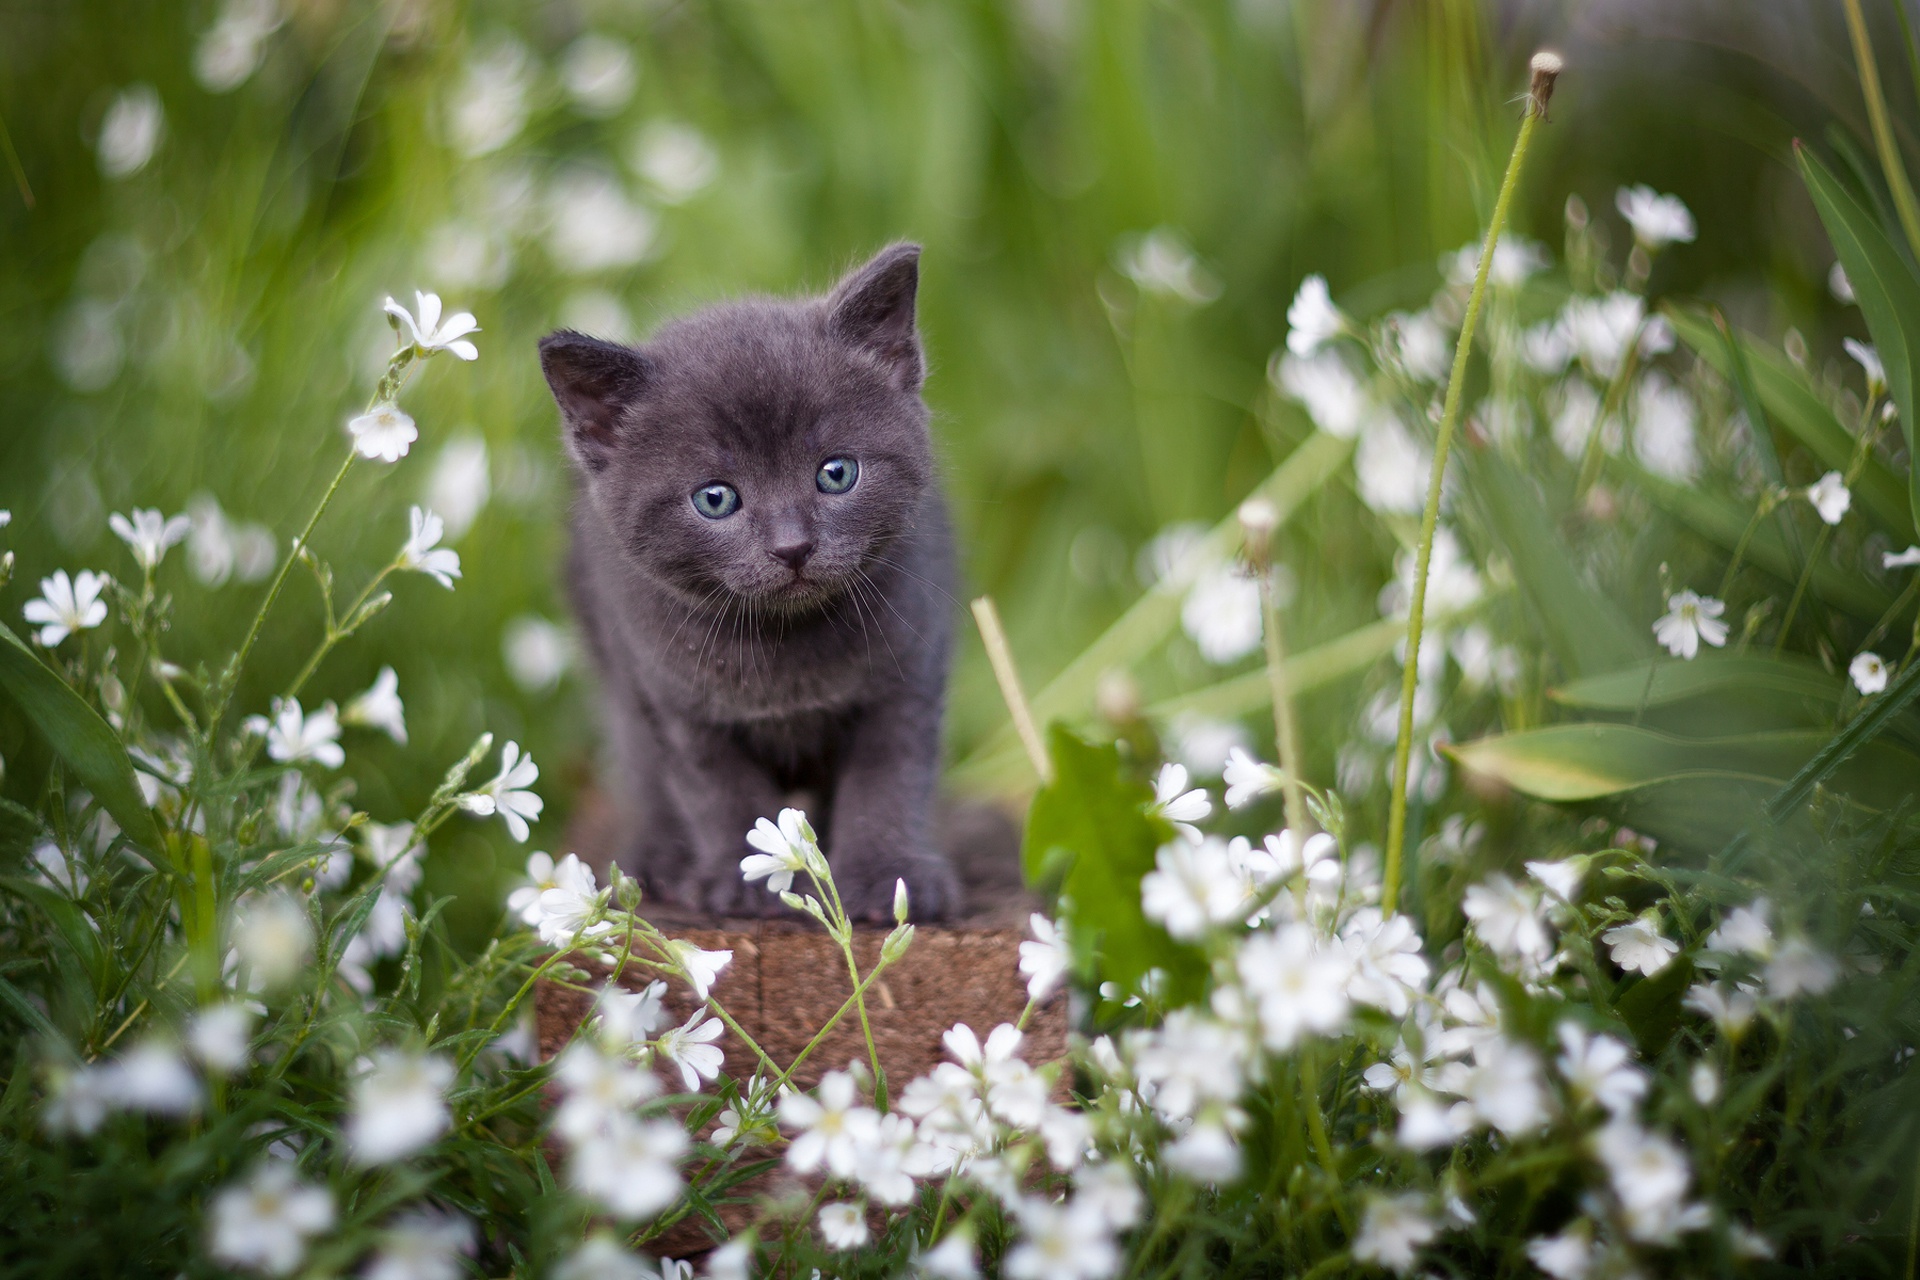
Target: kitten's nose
792, 551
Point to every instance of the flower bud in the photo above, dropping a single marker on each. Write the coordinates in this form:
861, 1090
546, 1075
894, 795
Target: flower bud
899, 901
1116, 697
1258, 520
1546, 67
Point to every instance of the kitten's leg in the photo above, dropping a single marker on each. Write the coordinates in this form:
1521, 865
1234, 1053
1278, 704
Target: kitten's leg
654, 847
882, 811
718, 791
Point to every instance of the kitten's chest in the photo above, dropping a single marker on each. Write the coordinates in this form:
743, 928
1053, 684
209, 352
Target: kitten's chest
737, 669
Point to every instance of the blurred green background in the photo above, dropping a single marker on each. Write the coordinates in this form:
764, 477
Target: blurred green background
207, 202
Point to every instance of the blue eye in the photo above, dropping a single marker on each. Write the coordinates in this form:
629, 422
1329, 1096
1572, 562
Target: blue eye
837, 475
716, 501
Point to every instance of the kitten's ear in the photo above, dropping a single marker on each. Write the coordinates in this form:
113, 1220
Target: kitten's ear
873, 309
593, 382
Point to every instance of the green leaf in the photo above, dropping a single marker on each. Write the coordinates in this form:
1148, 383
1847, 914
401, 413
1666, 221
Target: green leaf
1885, 288
84, 742
1629, 689
1859, 733
1651, 1006
1098, 816
1584, 629
19, 828
1788, 395
1575, 762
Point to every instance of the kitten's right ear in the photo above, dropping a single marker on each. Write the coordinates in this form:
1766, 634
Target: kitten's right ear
593, 382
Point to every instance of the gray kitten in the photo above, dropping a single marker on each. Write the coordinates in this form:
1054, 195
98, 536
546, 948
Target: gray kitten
761, 564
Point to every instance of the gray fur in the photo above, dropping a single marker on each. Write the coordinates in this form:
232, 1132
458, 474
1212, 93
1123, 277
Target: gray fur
731, 679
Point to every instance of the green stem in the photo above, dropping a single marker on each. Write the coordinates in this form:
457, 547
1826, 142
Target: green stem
1286, 734
335, 634
1883, 142
1591, 457
1768, 501
1430, 517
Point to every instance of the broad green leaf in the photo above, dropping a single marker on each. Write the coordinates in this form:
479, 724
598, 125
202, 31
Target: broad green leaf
1155, 615
1885, 287
1574, 762
1584, 629
1098, 815
1722, 521
1786, 393
1674, 681
1651, 1006
1859, 733
84, 742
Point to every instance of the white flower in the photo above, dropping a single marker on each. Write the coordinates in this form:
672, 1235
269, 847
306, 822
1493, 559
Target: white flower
1657, 220
1046, 958
1567, 1256
1546, 348
1453, 582
1514, 259
676, 160
631, 1167
562, 910
1599, 330
263, 1224
843, 1225
1869, 672
1427, 1122
1060, 1242
1703, 1082
1830, 497
152, 1077
599, 74
489, 106
537, 652
1192, 888
1900, 559
1800, 968
1388, 969
1391, 468
1248, 779
1206, 1152
149, 534
1506, 916
1181, 807
1600, 1069
1193, 1063
598, 1091
594, 226
1639, 946
951, 1259
1420, 343
1838, 285
1689, 619
785, 848
1731, 1008
888, 1158
1298, 986
1562, 878
221, 1036
422, 552
459, 485
700, 968
130, 131
1504, 1086
1394, 1230
1312, 319
229, 51
628, 1018
383, 433
542, 875
65, 606
603, 1257
380, 707
1744, 930
1650, 1175
507, 795
424, 1245
1222, 614
294, 737
398, 1105
1327, 388
428, 333
833, 1126
273, 937
1870, 363
1663, 428
689, 1047
1160, 262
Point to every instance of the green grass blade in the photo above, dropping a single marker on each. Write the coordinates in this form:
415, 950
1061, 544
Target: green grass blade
1863, 729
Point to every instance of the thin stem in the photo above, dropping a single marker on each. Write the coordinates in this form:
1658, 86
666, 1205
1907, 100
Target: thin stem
1001, 656
1609, 409
1768, 501
1286, 733
1883, 142
335, 634
1430, 517
230, 680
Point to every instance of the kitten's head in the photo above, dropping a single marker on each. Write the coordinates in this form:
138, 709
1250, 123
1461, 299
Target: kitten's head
764, 450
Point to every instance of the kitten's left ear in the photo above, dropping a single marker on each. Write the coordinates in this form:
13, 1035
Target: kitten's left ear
872, 309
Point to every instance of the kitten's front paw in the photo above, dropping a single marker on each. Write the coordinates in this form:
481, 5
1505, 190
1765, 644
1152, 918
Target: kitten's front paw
735, 899
933, 890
